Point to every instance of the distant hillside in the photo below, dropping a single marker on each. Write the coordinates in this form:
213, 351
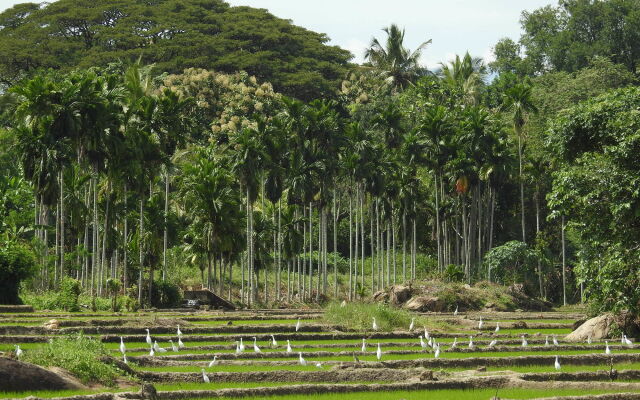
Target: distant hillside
173, 34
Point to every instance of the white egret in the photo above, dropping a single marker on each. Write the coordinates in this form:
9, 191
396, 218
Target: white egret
607, 350
124, 359
426, 333
301, 360
273, 341
213, 362
319, 365
480, 323
470, 342
497, 327
589, 339
179, 331
158, 348
298, 325
149, 342
374, 325
437, 353
379, 353
151, 352
524, 341
455, 342
205, 378
288, 346
174, 348
19, 351
493, 343
238, 351
413, 320
123, 349
180, 344
430, 342
627, 341
422, 343
555, 340
456, 311
557, 364
241, 345
255, 346
546, 340
364, 345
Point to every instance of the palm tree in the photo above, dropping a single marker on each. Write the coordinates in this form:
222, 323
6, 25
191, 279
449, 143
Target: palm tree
400, 66
518, 101
466, 76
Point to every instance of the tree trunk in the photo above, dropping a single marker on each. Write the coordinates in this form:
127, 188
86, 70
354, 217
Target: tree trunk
564, 267
125, 279
166, 217
519, 133
62, 230
141, 248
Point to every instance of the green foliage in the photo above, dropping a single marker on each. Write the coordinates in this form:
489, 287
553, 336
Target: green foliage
79, 355
513, 262
597, 144
17, 263
568, 36
166, 295
454, 273
332, 260
113, 286
69, 294
358, 316
177, 35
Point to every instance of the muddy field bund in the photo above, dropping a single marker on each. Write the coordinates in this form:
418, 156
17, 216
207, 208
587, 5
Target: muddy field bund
328, 362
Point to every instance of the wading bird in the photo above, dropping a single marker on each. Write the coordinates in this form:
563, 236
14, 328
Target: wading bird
455, 342
493, 343
437, 353
174, 348
238, 351
255, 346
480, 323
470, 342
497, 327
607, 350
205, 378
524, 341
288, 346
555, 340
422, 343
626, 340
456, 311
124, 359
213, 362
273, 341
19, 351
180, 344
123, 349
301, 360
411, 324
298, 325
379, 353
374, 325
241, 345
364, 345
149, 342
546, 340
426, 333
557, 364
179, 331
151, 352
589, 339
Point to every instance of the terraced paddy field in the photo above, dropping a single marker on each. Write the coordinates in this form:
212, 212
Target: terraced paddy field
314, 360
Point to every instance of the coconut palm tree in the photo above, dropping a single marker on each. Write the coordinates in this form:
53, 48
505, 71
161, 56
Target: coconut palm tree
398, 65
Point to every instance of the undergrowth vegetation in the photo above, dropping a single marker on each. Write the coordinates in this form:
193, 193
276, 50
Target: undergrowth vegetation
78, 354
359, 316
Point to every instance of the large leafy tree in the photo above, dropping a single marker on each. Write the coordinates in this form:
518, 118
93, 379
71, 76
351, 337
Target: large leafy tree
596, 145
173, 35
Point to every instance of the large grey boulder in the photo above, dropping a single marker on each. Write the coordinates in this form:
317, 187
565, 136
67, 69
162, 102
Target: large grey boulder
598, 328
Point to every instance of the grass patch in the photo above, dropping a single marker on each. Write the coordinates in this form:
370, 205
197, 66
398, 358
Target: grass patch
359, 316
77, 354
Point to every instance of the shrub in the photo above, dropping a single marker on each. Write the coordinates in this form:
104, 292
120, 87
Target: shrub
165, 295
17, 263
454, 273
79, 355
70, 290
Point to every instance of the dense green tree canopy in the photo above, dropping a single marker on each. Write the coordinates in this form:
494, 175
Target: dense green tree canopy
173, 35
567, 36
596, 185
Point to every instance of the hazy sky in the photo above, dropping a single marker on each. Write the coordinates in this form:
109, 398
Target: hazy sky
455, 26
